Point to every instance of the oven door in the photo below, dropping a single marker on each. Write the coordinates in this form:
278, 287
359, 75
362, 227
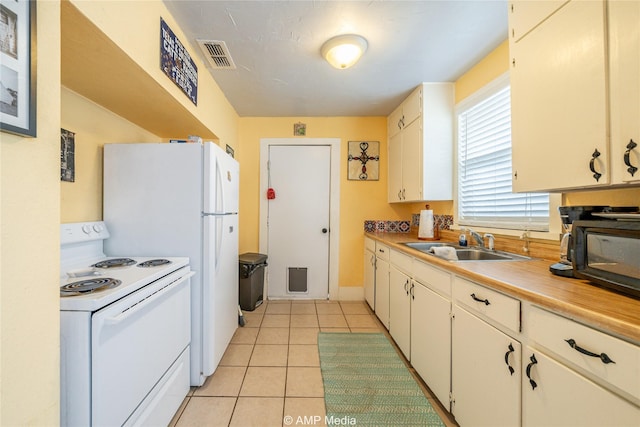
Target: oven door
134, 341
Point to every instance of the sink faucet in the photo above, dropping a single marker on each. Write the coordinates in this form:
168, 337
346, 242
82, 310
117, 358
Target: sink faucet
477, 237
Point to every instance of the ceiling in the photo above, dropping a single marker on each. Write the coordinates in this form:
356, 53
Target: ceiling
276, 49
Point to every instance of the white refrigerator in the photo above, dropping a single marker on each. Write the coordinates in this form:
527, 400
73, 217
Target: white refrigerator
164, 199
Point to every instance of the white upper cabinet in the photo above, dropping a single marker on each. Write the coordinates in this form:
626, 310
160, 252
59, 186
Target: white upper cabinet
525, 15
624, 57
575, 94
559, 96
420, 145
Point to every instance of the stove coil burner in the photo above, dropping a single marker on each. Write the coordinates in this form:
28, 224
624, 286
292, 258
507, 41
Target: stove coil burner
87, 286
154, 263
114, 262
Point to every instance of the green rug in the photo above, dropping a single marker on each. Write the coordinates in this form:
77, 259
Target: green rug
366, 383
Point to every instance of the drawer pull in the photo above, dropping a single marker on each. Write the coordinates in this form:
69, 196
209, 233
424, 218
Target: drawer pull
506, 358
475, 298
534, 361
406, 286
412, 295
602, 356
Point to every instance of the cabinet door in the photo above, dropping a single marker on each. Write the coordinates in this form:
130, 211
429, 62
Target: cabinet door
400, 310
412, 161
370, 278
485, 390
559, 101
395, 168
394, 122
412, 107
382, 291
431, 340
624, 54
562, 397
524, 15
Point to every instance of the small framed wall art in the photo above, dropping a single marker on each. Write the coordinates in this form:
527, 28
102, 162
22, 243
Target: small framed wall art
364, 160
18, 67
67, 155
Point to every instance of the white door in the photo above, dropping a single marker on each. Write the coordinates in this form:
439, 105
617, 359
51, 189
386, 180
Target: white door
298, 221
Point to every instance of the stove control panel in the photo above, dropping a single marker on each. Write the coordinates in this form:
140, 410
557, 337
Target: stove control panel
76, 232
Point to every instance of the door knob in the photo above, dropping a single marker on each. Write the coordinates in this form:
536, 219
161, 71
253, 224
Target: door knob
324, 231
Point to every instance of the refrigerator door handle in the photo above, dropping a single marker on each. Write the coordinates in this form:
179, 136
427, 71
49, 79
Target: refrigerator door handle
220, 190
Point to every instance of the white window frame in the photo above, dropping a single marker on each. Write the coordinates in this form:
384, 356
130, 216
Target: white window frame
551, 230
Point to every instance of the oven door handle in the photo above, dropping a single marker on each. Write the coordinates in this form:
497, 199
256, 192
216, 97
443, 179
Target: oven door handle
148, 300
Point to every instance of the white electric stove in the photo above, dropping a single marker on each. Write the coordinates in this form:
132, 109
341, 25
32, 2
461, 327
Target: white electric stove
125, 332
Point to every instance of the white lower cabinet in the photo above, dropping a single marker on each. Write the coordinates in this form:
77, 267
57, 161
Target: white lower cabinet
370, 272
400, 309
485, 373
466, 342
431, 339
381, 294
555, 395
382, 291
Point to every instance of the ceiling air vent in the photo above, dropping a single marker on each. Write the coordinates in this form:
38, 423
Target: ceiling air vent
217, 54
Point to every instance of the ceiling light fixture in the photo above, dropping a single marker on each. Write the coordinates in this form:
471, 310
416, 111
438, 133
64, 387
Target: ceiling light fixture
344, 51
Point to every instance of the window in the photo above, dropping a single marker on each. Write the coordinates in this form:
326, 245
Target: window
484, 165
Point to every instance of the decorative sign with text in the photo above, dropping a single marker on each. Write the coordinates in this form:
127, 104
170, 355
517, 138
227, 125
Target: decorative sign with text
177, 64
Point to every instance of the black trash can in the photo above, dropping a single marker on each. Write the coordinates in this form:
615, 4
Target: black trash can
251, 280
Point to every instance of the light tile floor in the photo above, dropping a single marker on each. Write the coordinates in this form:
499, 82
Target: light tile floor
271, 369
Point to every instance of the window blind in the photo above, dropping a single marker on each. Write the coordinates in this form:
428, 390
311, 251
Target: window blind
485, 196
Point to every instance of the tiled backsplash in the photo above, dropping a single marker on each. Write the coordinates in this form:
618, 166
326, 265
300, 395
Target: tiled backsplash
387, 226
443, 222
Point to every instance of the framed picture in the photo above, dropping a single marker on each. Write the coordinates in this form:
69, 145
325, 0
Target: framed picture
176, 63
18, 67
67, 155
364, 160
299, 129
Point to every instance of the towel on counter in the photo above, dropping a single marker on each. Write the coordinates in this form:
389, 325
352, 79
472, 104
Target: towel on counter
446, 252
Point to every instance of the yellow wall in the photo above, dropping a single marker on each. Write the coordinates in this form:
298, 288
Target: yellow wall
29, 218
358, 200
94, 126
490, 67
134, 26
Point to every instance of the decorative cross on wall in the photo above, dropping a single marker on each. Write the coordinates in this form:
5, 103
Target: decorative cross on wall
362, 153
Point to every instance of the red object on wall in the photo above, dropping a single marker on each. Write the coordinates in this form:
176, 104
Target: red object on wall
271, 194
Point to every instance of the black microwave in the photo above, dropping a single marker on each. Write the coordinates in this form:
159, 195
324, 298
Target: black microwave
607, 253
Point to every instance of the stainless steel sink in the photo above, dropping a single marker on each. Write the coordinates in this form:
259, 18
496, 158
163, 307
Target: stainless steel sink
468, 254
425, 246
485, 255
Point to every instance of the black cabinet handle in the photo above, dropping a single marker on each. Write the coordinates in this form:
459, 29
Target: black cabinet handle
534, 361
325, 231
602, 356
627, 161
506, 358
475, 298
411, 289
406, 286
592, 165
